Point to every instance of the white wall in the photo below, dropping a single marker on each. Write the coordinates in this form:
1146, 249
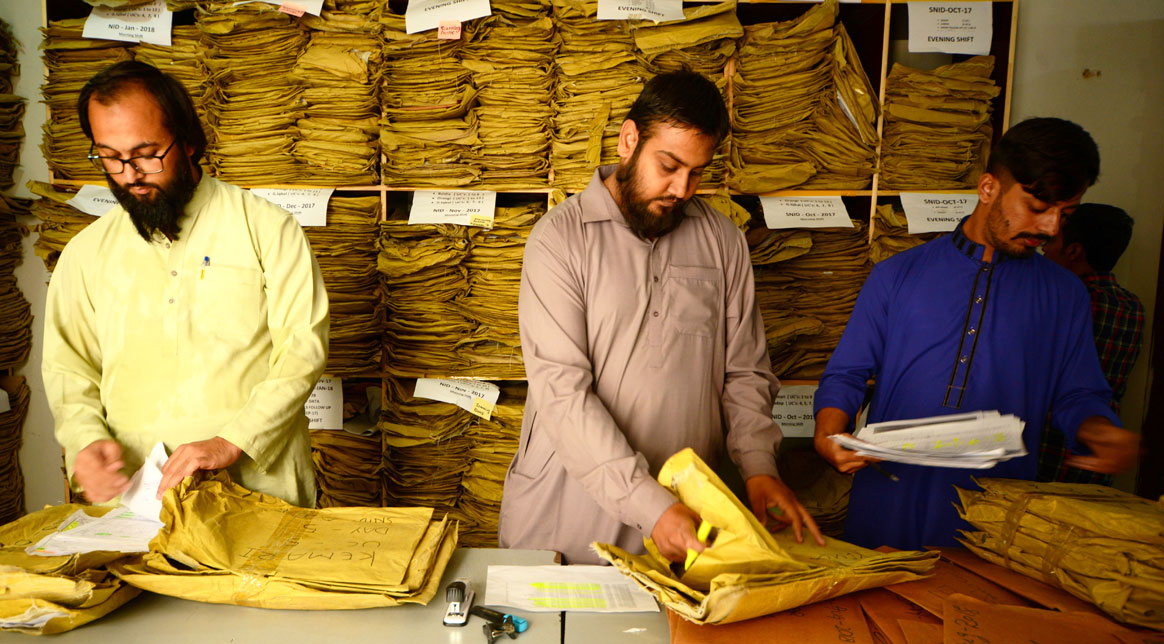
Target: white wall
1122, 107
1102, 66
40, 456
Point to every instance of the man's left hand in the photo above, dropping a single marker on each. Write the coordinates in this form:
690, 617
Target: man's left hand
213, 454
765, 492
1114, 449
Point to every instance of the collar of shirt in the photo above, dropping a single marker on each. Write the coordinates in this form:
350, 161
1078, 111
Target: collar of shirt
201, 195
1105, 281
597, 202
973, 249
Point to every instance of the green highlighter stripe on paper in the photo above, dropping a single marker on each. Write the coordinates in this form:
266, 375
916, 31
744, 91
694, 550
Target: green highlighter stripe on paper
569, 602
564, 586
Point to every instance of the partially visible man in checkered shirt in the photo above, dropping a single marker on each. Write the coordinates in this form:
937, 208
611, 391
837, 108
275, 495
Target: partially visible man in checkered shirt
1089, 244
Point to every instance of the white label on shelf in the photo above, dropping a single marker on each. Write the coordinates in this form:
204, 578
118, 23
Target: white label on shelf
936, 212
5, 403
423, 15
805, 212
657, 10
144, 23
308, 205
474, 396
792, 410
93, 200
464, 207
951, 27
325, 406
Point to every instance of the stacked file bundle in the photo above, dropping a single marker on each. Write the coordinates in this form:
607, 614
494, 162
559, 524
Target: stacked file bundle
599, 77
348, 461
183, 60
70, 61
1097, 543
804, 114
702, 42
937, 125
15, 311
340, 70
428, 127
426, 451
44, 595
16, 390
977, 440
252, 100
493, 349
891, 233
346, 251
422, 278
11, 107
510, 55
748, 571
806, 297
492, 444
221, 543
59, 221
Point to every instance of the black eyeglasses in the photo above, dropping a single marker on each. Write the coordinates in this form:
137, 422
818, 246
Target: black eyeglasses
145, 164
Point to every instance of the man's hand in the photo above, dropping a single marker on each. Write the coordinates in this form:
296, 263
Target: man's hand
770, 492
829, 421
674, 532
213, 454
97, 469
1114, 449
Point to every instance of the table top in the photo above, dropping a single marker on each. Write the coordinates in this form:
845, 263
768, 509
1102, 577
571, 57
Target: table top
157, 618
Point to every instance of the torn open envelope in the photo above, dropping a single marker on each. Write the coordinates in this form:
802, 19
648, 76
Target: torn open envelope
749, 571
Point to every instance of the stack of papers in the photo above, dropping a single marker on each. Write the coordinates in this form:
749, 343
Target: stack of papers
59, 221
891, 233
976, 440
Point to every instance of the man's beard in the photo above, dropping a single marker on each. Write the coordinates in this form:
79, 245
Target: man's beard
162, 213
635, 207
997, 229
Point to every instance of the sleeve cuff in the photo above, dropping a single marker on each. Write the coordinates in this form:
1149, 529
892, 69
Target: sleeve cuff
648, 502
249, 449
756, 463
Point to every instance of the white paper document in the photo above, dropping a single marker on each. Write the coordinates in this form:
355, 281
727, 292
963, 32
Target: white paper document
951, 27
325, 405
976, 440
805, 212
546, 589
474, 396
298, 7
150, 23
936, 212
792, 410
128, 528
422, 15
93, 200
32, 619
656, 10
461, 207
307, 205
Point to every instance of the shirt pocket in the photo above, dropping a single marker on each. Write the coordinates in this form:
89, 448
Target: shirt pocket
230, 303
693, 297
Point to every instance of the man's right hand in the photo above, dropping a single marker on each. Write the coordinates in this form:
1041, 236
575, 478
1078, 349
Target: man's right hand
97, 469
674, 532
830, 421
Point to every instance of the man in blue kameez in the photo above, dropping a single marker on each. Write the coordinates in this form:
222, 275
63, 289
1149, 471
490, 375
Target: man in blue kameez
975, 320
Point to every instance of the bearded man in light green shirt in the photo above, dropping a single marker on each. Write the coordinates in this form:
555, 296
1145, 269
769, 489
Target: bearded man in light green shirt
193, 314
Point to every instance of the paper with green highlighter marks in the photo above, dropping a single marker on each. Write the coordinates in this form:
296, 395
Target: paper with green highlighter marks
597, 589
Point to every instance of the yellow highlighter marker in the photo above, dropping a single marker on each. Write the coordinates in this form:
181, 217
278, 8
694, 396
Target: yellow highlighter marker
702, 534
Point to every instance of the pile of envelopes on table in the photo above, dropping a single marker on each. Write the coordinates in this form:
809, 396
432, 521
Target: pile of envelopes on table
222, 543
1100, 544
747, 571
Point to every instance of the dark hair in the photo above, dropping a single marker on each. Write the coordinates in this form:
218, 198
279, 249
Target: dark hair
1053, 159
682, 98
178, 113
1104, 231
